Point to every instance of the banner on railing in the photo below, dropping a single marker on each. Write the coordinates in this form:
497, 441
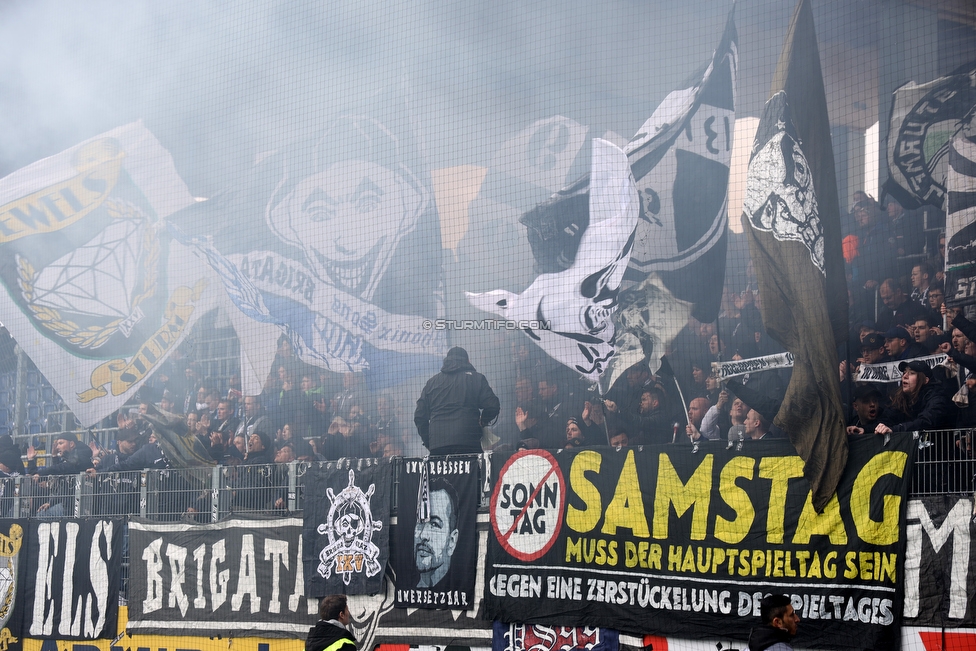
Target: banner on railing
671, 541
74, 579
940, 562
238, 577
435, 550
347, 526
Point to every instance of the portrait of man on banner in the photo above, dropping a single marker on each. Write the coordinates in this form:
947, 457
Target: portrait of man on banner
436, 537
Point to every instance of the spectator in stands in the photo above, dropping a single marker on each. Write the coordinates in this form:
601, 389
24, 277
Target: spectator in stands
922, 278
353, 391
756, 427
226, 422
651, 423
906, 229
344, 439
697, 409
869, 249
574, 435
70, 457
900, 345
620, 439
168, 402
898, 310
918, 404
867, 410
288, 435
454, 406
11, 465
717, 419
254, 419
873, 350
260, 449
921, 330
555, 408
128, 440
936, 298
593, 421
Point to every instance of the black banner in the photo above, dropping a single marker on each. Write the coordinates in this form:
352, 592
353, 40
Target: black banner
347, 526
74, 579
940, 562
667, 540
435, 550
238, 577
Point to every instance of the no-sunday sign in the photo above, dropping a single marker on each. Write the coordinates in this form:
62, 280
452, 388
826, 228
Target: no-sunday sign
527, 504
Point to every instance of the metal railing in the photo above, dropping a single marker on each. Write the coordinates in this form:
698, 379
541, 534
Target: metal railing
945, 465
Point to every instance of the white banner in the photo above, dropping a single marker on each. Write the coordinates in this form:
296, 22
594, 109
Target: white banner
725, 370
888, 371
96, 292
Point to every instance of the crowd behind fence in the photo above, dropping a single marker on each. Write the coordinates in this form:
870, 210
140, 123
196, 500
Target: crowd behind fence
945, 464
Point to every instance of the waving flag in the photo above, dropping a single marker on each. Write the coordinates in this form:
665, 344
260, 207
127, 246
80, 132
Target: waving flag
95, 291
680, 161
572, 308
329, 242
923, 119
960, 287
794, 236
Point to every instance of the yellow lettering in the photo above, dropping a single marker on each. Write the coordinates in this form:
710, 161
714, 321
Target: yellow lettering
828, 523
626, 509
780, 470
871, 531
584, 520
734, 531
671, 491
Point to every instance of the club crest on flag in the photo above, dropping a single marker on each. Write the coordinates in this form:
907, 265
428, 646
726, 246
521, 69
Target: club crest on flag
780, 197
349, 527
10, 544
89, 268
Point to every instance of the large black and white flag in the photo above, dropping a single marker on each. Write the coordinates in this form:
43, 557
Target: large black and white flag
923, 119
568, 313
680, 161
435, 547
960, 253
347, 526
75, 579
240, 577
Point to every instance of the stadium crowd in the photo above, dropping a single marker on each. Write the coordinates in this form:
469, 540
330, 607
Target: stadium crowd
897, 314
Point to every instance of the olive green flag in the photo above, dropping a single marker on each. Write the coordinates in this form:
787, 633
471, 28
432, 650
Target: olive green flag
792, 209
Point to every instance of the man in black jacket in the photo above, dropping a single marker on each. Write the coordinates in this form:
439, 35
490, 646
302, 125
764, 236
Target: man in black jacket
454, 406
779, 625
330, 633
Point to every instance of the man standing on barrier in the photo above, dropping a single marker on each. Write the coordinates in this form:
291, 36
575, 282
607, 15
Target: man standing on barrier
454, 406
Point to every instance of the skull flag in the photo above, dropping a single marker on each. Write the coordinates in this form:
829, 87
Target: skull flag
569, 312
347, 527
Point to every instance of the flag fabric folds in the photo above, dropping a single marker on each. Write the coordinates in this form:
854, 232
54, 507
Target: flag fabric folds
923, 119
680, 160
794, 237
960, 287
568, 314
94, 289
